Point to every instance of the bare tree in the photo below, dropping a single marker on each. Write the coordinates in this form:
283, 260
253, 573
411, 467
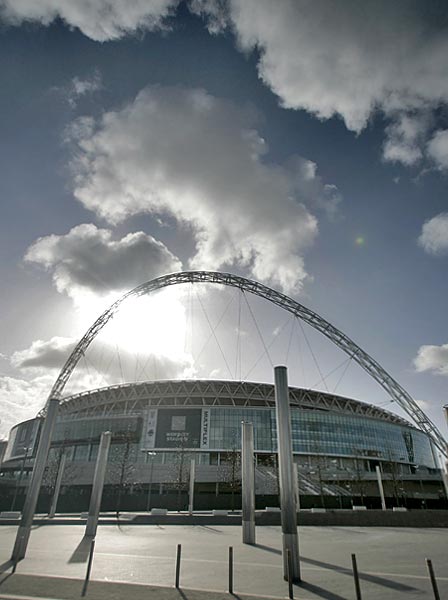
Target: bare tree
230, 470
52, 469
181, 470
359, 474
392, 467
121, 471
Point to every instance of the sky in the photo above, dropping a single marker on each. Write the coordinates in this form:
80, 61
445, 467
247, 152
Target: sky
303, 144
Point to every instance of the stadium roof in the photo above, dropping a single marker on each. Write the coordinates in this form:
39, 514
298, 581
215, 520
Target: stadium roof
131, 397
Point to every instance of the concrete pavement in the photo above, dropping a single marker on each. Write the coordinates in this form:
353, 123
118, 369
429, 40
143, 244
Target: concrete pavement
391, 562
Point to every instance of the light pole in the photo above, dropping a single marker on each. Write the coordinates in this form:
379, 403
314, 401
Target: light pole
151, 454
19, 481
380, 487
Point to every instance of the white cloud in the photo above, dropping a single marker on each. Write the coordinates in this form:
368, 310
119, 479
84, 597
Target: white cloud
405, 138
21, 399
78, 88
434, 236
438, 149
433, 359
87, 260
346, 59
100, 20
50, 354
185, 153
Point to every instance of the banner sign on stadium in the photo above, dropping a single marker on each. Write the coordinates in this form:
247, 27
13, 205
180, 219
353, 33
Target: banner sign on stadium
205, 424
178, 428
149, 434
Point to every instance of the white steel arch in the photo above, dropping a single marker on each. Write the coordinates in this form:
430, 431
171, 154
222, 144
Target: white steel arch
374, 369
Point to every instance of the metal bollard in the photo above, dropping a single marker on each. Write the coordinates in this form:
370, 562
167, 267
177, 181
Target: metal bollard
432, 576
89, 568
179, 550
289, 565
230, 570
356, 578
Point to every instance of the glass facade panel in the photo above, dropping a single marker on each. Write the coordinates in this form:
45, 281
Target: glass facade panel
322, 432
225, 427
92, 428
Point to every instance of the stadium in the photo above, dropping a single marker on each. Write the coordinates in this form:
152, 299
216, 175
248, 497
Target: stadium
159, 427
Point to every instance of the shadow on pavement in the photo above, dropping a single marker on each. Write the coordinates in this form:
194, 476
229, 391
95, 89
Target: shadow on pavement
8, 564
268, 549
364, 576
81, 553
208, 528
319, 591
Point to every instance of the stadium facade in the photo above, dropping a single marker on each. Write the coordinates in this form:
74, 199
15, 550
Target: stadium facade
159, 427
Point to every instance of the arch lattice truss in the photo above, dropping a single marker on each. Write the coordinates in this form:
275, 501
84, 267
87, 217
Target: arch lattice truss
392, 387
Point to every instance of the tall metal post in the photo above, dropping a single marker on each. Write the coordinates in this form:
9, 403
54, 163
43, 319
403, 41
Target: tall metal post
149, 455
295, 467
57, 487
380, 487
287, 496
445, 479
23, 533
17, 487
98, 483
191, 492
248, 483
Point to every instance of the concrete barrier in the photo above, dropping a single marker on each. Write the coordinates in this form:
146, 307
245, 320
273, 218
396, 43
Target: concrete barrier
273, 509
359, 507
10, 514
159, 511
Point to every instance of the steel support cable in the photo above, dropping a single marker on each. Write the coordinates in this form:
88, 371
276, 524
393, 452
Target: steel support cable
213, 330
189, 325
274, 339
144, 365
327, 375
349, 361
100, 373
300, 352
119, 363
214, 333
137, 361
290, 340
258, 330
109, 364
238, 340
314, 358
366, 362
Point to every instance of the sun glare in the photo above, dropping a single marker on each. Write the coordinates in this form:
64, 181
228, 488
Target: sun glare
154, 324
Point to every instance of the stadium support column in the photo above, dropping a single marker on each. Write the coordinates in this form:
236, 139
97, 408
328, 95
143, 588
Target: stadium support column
191, 493
98, 483
23, 533
248, 483
380, 487
287, 495
57, 487
445, 471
